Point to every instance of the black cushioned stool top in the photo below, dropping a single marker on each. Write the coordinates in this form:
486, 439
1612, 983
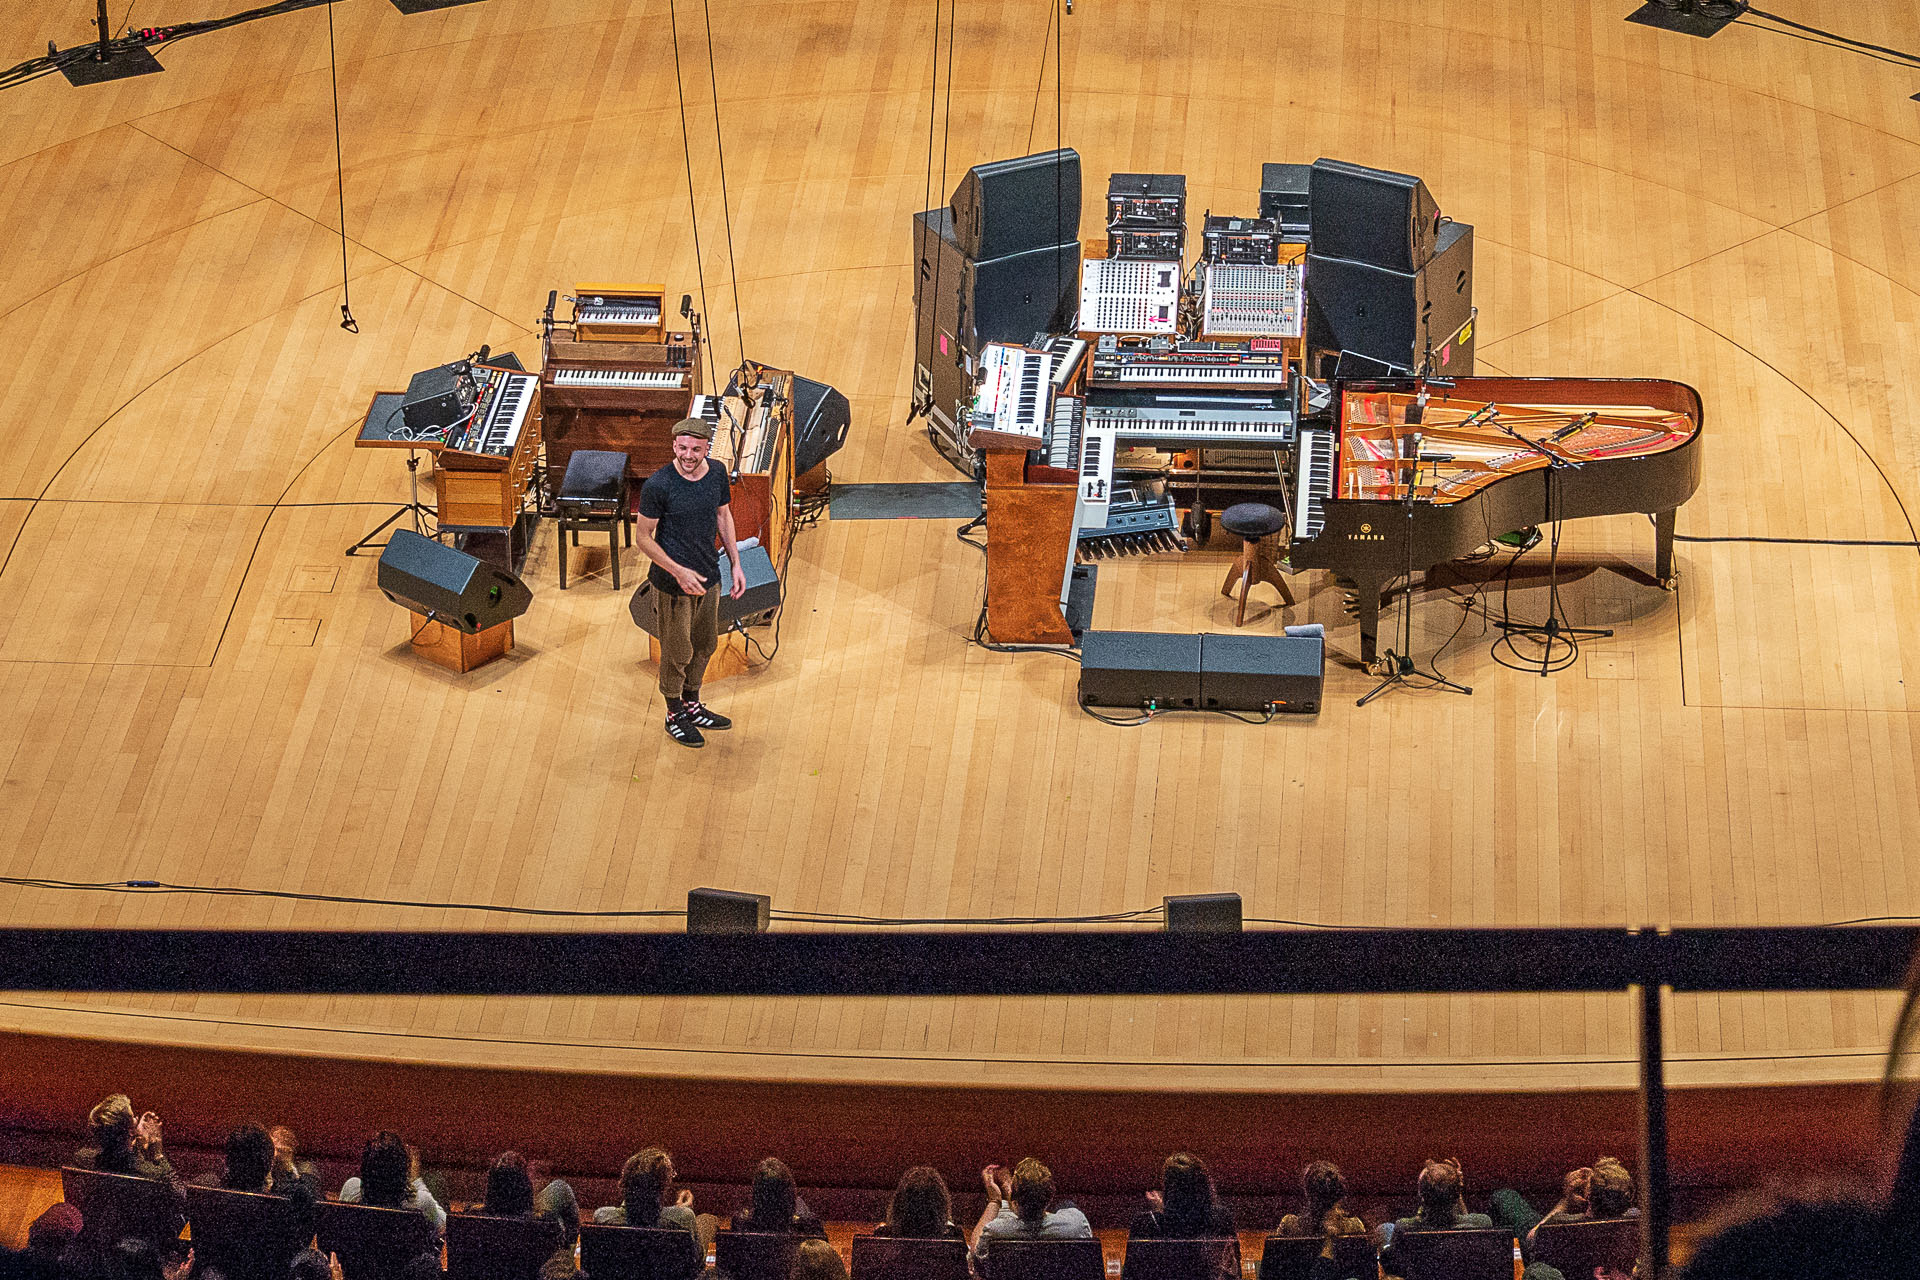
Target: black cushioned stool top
1248, 519
594, 475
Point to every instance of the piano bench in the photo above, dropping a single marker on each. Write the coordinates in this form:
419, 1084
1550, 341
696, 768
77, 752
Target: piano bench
1256, 523
593, 495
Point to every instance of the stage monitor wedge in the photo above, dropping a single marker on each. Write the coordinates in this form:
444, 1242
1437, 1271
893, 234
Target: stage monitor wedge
1016, 206
1375, 216
450, 586
820, 421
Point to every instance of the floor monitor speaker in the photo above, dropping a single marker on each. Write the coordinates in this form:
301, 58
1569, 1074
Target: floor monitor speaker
1137, 669
1374, 216
820, 421
453, 587
1202, 912
1241, 672
724, 911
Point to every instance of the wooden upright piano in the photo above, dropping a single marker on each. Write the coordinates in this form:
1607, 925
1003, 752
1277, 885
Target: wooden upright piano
616, 395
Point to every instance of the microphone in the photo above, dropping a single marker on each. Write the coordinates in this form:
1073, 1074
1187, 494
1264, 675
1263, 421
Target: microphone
1580, 423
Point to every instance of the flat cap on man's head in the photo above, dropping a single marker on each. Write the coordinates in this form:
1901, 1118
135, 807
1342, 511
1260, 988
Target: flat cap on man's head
694, 427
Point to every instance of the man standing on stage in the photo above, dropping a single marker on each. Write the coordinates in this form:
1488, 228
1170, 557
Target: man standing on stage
682, 506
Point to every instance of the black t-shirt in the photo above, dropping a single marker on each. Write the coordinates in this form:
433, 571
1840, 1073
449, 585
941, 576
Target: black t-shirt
689, 516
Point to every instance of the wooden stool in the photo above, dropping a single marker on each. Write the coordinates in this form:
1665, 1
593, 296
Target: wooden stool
1255, 523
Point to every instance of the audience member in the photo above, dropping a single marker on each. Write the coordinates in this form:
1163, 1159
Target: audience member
1443, 1202
1017, 1208
647, 1195
311, 1264
249, 1163
390, 1178
1602, 1192
1326, 1193
921, 1208
51, 1252
510, 1195
1809, 1232
776, 1205
289, 1170
123, 1143
133, 1259
1185, 1207
818, 1260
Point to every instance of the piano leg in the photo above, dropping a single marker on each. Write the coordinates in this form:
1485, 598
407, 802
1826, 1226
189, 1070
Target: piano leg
1663, 522
1368, 599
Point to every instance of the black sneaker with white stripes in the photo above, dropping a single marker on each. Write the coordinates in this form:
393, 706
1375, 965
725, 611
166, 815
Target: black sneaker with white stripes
702, 716
682, 730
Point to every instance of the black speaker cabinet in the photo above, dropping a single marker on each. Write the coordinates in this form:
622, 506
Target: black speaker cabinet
1202, 912
431, 578
1284, 196
1015, 206
1240, 672
432, 400
1373, 216
960, 304
724, 911
820, 421
1135, 668
1394, 317
762, 593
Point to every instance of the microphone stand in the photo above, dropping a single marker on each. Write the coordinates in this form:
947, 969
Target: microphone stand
1553, 631
1400, 664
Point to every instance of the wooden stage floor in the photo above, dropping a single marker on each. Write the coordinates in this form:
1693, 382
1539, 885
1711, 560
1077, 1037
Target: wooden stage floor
198, 688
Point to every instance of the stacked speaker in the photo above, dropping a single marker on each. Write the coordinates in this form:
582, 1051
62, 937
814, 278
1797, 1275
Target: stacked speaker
999, 264
1389, 281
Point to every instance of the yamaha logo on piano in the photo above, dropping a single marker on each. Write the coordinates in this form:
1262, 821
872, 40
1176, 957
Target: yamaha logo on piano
1366, 534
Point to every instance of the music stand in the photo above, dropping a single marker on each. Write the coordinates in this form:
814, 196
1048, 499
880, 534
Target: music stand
384, 429
1401, 664
1552, 632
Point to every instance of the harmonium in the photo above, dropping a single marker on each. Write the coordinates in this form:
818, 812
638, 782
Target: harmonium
483, 467
753, 440
616, 378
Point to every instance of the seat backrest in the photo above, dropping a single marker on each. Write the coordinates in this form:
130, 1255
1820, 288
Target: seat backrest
639, 1253
1044, 1260
1204, 1259
1576, 1248
114, 1206
1291, 1257
245, 1235
480, 1247
898, 1258
373, 1243
1477, 1253
756, 1255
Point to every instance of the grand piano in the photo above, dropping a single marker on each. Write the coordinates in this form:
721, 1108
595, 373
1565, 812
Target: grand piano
1411, 475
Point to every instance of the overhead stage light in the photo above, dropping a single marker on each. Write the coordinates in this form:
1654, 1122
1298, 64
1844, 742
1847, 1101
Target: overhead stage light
1689, 17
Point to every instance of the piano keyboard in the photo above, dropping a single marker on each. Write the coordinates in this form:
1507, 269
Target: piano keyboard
499, 414
1314, 483
1063, 434
649, 378
604, 313
1196, 425
1199, 375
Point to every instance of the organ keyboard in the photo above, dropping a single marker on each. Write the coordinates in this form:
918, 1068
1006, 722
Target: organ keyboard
651, 378
618, 313
482, 472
